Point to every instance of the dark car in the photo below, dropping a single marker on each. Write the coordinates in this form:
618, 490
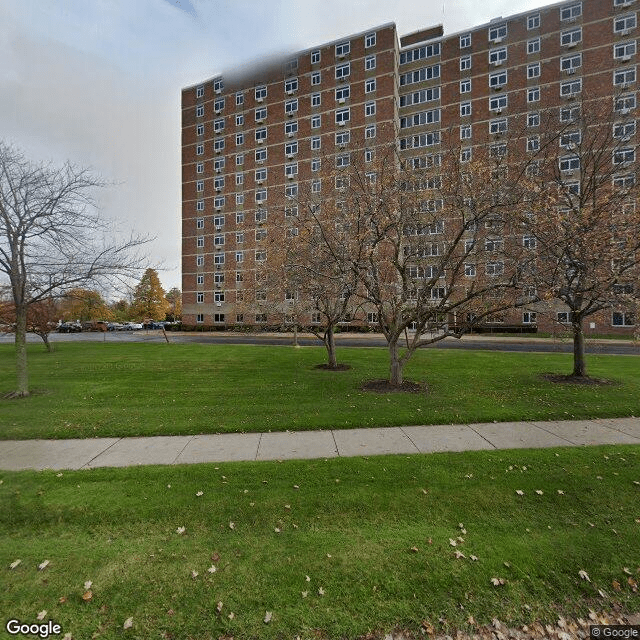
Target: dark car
70, 327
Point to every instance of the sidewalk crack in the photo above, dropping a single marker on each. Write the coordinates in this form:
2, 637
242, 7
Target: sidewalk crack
113, 444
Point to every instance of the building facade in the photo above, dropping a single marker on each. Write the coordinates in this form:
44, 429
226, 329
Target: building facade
249, 144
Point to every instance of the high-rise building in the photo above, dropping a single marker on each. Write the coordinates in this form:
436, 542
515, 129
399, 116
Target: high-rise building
249, 143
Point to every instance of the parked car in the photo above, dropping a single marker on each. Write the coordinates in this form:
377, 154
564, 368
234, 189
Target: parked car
70, 327
132, 326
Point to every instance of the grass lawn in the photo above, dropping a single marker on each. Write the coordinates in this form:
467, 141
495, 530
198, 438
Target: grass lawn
103, 389
332, 548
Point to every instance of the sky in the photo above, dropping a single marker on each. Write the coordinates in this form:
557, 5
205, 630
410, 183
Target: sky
98, 82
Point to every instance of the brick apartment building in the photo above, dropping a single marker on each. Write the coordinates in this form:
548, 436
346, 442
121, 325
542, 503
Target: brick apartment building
249, 143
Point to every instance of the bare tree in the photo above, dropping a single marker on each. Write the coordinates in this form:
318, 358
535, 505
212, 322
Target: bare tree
51, 239
586, 222
440, 238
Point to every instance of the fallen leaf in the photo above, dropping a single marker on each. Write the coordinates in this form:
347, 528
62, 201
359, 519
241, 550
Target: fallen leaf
277, 530
626, 570
199, 493
42, 615
496, 582
616, 585
219, 607
583, 575
539, 492
459, 554
88, 584
62, 600
602, 593
128, 623
67, 636
231, 616
43, 565
232, 525
307, 579
560, 492
453, 543
287, 507
633, 584
87, 595
194, 574
216, 556
305, 594
267, 617
474, 558
320, 591
170, 612
471, 620
520, 492
212, 569
14, 564
180, 530
415, 549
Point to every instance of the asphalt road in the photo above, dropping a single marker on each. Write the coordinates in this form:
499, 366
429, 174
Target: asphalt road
516, 343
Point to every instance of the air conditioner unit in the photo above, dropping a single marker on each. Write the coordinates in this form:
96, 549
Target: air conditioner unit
260, 181
218, 228
218, 151
497, 63
218, 208
626, 138
218, 286
260, 141
259, 99
572, 45
290, 156
342, 123
290, 92
498, 110
497, 40
341, 56
218, 304
624, 112
291, 113
218, 267
290, 135
218, 189
259, 120
497, 87
625, 58
218, 247
341, 101
218, 170
625, 32
218, 111
291, 177
570, 71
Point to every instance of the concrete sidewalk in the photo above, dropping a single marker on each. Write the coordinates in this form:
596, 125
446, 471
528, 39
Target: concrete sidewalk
230, 447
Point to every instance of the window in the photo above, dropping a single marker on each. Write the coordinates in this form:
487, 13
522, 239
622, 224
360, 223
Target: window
494, 268
626, 103
465, 41
260, 114
529, 317
200, 223
624, 155
343, 138
571, 37
200, 205
291, 148
498, 103
370, 40
260, 155
315, 99
465, 63
291, 106
343, 160
470, 270
624, 24
199, 297
569, 64
569, 163
368, 155
370, 85
261, 318
239, 217
261, 256
218, 105
315, 164
239, 258
571, 13
200, 167
622, 319
624, 130
533, 21
533, 46
498, 80
239, 139
533, 119
261, 93
624, 77
239, 179
218, 202
571, 88
200, 279
199, 111
370, 63
370, 131
570, 139
316, 78
533, 143
569, 114
218, 145
529, 242
370, 109
239, 200
291, 128
291, 170
498, 126
342, 93
498, 33
261, 215
200, 130
343, 116
343, 71
218, 240
465, 86
624, 50
200, 92
218, 125
316, 122
533, 71
200, 242
465, 109
315, 57
497, 56
291, 85
218, 183
239, 237
465, 132
199, 149
343, 49
260, 175
261, 195
261, 134
261, 234
239, 159
465, 155
200, 261
291, 191
239, 98
218, 258
239, 119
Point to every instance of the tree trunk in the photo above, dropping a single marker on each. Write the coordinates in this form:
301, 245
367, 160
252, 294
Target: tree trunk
330, 343
579, 366
395, 366
295, 334
45, 338
22, 374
